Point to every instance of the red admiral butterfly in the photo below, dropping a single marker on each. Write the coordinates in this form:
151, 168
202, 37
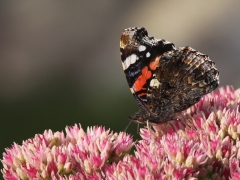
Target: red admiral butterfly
163, 78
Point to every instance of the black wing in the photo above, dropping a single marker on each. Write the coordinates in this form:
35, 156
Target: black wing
137, 50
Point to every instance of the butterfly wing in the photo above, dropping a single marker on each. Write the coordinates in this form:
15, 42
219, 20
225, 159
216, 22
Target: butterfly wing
138, 50
183, 77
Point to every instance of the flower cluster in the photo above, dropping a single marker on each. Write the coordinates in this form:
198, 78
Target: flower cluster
203, 145
78, 155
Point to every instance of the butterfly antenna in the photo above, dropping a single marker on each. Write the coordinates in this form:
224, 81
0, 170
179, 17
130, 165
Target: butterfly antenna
148, 127
125, 129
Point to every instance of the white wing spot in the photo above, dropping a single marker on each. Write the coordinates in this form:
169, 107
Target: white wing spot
130, 60
132, 91
142, 48
167, 42
148, 54
154, 83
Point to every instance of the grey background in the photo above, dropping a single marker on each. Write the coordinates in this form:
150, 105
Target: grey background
60, 61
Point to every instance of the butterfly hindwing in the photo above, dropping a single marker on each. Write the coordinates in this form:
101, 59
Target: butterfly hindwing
184, 76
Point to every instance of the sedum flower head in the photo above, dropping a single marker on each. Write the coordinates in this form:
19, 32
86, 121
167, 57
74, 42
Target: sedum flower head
203, 145
76, 155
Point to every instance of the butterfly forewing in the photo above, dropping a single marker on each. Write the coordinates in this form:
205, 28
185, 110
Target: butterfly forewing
138, 50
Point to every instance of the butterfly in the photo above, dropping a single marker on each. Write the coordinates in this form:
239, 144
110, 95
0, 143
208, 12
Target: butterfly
164, 79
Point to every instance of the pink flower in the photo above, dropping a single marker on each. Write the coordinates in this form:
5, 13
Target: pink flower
203, 145
76, 155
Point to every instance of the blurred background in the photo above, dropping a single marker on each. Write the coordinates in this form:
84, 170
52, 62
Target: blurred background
60, 62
